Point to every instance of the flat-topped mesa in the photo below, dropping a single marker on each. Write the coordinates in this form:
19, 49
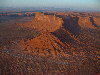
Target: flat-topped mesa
39, 15
44, 22
86, 22
47, 22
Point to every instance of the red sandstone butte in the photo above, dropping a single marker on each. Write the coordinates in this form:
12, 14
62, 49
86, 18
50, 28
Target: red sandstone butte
44, 22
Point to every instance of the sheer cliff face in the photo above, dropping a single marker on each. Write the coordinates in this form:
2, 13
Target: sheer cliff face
44, 22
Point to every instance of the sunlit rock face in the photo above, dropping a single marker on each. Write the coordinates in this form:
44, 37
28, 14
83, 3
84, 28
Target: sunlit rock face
45, 44
44, 22
85, 22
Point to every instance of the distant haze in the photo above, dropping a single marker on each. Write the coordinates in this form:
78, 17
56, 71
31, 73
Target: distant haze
75, 4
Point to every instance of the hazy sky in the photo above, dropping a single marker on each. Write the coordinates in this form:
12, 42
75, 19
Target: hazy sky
87, 4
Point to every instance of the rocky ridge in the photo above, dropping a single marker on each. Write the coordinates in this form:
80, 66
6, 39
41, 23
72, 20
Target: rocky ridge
62, 29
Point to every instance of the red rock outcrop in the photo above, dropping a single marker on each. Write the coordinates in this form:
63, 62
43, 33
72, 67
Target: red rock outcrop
46, 43
85, 22
44, 22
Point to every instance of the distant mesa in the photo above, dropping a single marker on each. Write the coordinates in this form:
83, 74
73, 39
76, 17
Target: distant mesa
44, 22
52, 23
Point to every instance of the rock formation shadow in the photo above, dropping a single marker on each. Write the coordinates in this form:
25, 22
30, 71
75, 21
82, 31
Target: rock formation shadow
71, 24
93, 23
